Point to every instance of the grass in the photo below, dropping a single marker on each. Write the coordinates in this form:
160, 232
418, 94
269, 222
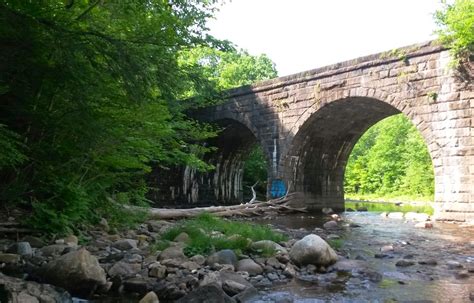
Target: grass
391, 207
336, 243
203, 238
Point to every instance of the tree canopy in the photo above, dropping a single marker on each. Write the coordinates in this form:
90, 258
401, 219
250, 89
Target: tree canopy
390, 160
90, 100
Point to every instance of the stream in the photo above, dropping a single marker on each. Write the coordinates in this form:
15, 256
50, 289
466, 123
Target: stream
446, 243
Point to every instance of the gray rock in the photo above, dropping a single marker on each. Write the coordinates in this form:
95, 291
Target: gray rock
395, 215
312, 250
453, 264
34, 241
249, 266
20, 291
157, 270
273, 276
225, 256
428, 262
172, 252
198, 259
123, 270
386, 248
268, 245
150, 297
289, 271
463, 274
21, 248
404, 263
210, 293
346, 265
78, 272
9, 258
273, 262
330, 225
125, 244
232, 288
71, 241
246, 295
53, 250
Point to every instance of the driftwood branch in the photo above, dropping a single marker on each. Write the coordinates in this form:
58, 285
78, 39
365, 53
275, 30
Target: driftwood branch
254, 193
257, 208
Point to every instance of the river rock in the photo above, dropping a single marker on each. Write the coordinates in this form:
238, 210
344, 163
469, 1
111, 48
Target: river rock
157, 270
327, 210
150, 297
210, 293
35, 242
21, 248
53, 250
125, 244
273, 262
78, 272
9, 258
20, 291
199, 259
386, 248
124, 270
395, 215
225, 256
232, 288
268, 245
426, 224
312, 250
330, 225
71, 241
463, 274
420, 217
404, 263
249, 266
453, 264
431, 262
172, 252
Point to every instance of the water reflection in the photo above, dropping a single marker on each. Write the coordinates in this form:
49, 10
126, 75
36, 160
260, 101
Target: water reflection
421, 283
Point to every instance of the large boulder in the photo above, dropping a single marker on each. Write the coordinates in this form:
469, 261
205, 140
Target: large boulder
18, 290
210, 293
172, 252
249, 266
78, 272
225, 256
312, 250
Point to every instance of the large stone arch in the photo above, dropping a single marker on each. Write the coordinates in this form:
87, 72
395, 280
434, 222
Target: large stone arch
316, 156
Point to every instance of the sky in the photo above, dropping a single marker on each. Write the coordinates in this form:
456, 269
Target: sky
300, 35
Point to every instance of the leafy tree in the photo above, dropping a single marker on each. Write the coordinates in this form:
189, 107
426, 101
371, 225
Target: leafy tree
88, 96
456, 28
390, 159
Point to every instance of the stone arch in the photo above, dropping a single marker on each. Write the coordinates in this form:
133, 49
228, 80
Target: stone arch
233, 144
321, 142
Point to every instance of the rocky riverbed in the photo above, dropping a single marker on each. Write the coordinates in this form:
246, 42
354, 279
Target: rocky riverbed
378, 259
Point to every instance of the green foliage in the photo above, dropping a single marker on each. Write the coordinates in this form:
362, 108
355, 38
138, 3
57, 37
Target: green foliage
391, 207
91, 88
456, 28
232, 235
11, 153
255, 170
227, 69
390, 159
336, 243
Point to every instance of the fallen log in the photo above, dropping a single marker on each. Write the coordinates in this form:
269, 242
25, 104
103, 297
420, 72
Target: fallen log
257, 208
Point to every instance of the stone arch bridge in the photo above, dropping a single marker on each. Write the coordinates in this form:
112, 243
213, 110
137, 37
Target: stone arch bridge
308, 123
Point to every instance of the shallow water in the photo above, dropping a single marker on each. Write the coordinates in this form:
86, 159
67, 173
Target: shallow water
420, 283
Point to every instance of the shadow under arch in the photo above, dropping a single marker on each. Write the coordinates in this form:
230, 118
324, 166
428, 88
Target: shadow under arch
186, 186
315, 161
